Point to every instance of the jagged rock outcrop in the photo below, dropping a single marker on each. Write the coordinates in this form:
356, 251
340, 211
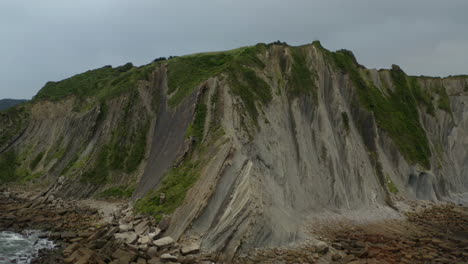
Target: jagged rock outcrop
246, 145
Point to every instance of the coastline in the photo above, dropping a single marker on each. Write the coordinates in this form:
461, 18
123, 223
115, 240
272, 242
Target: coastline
100, 232
94, 232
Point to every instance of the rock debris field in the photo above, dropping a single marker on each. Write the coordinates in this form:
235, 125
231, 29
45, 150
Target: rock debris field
432, 234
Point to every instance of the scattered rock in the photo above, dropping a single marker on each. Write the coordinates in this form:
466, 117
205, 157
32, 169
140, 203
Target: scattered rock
192, 248
164, 242
141, 228
124, 256
125, 228
152, 252
321, 247
155, 234
168, 257
128, 237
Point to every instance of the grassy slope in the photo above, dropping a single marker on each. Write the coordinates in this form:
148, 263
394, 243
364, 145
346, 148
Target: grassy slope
101, 83
395, 113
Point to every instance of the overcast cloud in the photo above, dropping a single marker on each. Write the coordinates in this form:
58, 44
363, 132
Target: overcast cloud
50, 40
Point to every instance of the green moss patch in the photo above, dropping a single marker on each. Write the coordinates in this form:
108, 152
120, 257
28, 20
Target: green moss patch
117, 192
100, 172
36, 160
345, 118
390, 185
422, 97
197, 127
174, 186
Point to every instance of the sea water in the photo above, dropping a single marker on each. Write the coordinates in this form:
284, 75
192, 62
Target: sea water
21, 248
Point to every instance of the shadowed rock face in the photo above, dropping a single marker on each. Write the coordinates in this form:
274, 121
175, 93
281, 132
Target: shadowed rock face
299, 141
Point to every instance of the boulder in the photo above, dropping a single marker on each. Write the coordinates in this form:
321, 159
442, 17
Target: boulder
321, 247
154, 261
168, 257
156, 234
128, 237
141, 228
192, 248
123, 256
125, 228
141, 261
70, 249
152, 252
164, 242
144, 240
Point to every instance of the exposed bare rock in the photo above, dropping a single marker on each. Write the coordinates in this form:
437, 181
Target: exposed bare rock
164, 242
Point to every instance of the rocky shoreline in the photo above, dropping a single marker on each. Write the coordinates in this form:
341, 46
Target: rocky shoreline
85, 235
435, 233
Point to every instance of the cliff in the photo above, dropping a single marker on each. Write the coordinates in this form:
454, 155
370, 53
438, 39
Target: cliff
245, 145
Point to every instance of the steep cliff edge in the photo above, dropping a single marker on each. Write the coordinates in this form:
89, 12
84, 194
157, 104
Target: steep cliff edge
243, 147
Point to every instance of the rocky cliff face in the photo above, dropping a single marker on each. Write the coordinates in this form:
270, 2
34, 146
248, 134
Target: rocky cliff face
242, 147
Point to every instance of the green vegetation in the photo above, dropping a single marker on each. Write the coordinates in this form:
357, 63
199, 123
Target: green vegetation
443, 102
8, 164
100, 172
396, 113
302, 79
391, 186
103, 82
422, 97
345, 118
13, 121
117, 192
36, 160
187, 72
196, 128
137, 149
174, 186
126, 148
250, 88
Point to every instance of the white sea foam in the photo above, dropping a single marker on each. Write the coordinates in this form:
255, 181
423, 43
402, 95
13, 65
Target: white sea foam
21, 248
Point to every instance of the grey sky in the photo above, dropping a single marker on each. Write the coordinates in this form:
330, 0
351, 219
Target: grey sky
54, 39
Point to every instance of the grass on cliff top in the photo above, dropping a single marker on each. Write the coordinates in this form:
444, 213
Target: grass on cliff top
302, 79
102, 83
187, 72
251, 89
396, 114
